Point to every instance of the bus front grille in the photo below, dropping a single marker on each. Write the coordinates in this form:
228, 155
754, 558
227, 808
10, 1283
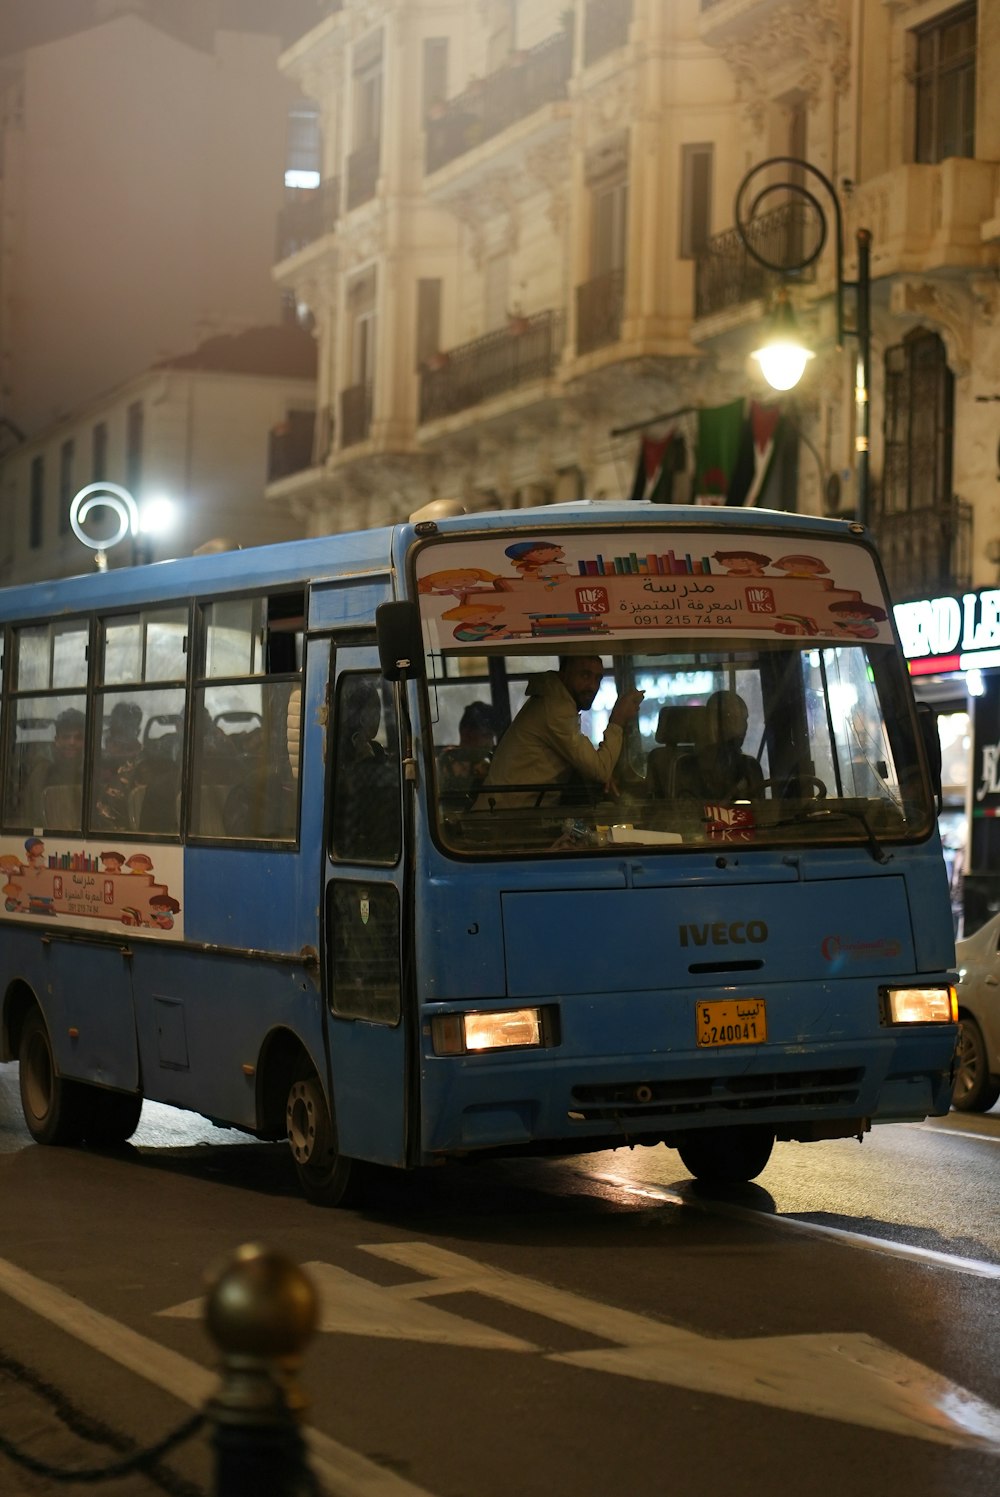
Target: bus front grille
716, 1094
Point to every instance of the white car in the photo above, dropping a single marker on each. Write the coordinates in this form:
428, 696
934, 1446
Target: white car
977, 1077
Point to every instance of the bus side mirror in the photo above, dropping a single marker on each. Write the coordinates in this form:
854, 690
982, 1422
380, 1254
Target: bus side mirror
927, 718
400, 641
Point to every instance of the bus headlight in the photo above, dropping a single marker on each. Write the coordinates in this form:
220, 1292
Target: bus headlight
920, 1005
472, 1033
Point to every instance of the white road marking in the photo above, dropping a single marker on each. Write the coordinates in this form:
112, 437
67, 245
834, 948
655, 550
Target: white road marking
343, 1472
871, 1244
356, 1307
849, 1377
979, 1138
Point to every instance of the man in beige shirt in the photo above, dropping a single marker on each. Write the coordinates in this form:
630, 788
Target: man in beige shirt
544, 744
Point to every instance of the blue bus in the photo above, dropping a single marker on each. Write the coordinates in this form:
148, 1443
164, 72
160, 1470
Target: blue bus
270, 850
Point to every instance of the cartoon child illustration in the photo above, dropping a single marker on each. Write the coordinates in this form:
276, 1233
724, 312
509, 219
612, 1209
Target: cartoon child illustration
10, 864
457, 581
35, 848
162, 909
742, 563
476, 621
114, 862
859, 620
131, 916
802, 566
538, 560
139, 863
13, 896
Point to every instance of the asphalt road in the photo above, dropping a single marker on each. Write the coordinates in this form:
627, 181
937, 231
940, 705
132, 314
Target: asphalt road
592, 1326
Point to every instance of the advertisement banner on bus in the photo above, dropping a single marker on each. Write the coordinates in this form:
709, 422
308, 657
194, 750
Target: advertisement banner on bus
56, 879
609, 586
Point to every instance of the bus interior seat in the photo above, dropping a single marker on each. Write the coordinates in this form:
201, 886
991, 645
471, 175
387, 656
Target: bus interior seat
679, 732
211, 808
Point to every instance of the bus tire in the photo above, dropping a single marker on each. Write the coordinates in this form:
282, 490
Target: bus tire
975, 1090
55, 1110
727, 1156
326, 1177
114, 1117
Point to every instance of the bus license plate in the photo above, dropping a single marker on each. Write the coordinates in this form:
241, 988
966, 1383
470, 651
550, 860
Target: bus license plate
732, 1022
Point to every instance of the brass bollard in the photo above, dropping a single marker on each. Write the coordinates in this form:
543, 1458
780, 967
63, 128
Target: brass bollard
260, 1312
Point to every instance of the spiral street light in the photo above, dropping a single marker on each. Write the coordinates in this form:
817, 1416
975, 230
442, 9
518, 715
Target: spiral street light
794, 261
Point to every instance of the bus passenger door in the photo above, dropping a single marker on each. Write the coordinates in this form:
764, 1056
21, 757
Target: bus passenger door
364, 920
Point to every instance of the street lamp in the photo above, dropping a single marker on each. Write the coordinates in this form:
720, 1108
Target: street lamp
797, 260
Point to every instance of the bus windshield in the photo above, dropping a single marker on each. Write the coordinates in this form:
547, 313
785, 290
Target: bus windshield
823, 752
775, 708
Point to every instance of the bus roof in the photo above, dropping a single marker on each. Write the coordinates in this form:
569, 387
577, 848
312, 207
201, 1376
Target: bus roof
364, 553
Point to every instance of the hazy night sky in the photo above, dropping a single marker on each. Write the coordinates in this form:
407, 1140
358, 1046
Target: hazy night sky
28, 22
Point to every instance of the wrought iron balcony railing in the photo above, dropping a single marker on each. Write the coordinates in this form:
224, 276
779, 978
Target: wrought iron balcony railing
726, 274
355, 414
605, 28
524, 83
290, 445
926, 552
599, 311
527, 349
307, 216
362, 173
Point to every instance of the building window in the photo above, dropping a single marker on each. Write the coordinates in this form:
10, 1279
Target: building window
609, 217
696, 199
428, 319
496, 292
303, 164
67, 456
99, 453
919, 422
435, 75
945, 86
368, 92
36, 513
133, 447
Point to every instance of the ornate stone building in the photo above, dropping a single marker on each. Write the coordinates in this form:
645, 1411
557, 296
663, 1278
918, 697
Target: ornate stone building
524, 241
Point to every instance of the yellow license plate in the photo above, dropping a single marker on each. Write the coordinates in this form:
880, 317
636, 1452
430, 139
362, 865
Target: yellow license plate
732, 1022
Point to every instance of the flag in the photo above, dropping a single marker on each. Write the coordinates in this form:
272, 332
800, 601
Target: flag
720, 430
658, 462
760, 439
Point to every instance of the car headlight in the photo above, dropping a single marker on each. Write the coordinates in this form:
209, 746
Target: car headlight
499, 1029
919, 1005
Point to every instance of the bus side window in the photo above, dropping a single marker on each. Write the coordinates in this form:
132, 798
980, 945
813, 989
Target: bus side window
366, 802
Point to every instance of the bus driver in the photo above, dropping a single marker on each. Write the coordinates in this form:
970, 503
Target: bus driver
544, 745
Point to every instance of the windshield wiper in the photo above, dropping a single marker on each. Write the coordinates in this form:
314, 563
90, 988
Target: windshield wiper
875, 847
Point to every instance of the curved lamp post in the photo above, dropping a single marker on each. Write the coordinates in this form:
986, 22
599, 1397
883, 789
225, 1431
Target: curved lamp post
748, 206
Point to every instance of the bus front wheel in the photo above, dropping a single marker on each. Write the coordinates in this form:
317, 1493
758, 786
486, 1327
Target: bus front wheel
55, 1110
114, 1117
727, 1156
327, 1178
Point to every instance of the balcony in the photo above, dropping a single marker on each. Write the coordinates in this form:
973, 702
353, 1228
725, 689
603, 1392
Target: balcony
355, 414
731, 20
599, 311
525, 83
605, 28
527, 350
925, 218
290, 445
362, 173
726, 275
308, 214
926, 552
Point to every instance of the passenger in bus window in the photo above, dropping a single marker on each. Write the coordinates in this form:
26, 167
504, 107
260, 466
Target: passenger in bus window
462, 766
719, 770
115, 770
545, 744
64, 771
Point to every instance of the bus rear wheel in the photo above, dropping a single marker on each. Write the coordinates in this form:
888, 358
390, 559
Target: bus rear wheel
114, 1117
327, 1178
727, 1156
55, 1110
